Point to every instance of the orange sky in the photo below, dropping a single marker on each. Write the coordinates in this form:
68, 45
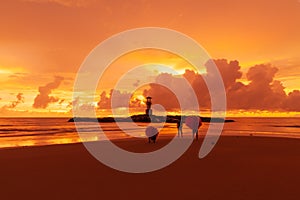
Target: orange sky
44, 39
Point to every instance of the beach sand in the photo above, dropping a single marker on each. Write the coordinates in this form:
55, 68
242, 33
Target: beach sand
237, 168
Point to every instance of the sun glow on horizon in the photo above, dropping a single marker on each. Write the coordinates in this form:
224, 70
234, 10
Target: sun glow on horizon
39, 63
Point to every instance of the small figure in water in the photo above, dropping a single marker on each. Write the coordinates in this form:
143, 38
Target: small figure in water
179, 127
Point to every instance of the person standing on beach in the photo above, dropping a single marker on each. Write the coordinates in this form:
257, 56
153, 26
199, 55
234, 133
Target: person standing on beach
194, 123
179, 127
151, 133
195, 131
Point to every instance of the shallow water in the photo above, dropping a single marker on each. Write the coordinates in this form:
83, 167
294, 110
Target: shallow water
16, 132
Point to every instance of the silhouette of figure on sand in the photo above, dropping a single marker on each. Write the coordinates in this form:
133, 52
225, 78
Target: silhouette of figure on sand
195, 131
179, 127
194, 123
151, 133
152, 138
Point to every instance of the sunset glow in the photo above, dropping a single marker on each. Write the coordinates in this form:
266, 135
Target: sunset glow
43, 44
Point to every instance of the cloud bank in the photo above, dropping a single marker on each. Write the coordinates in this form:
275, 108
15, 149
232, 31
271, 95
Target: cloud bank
20, 99
120, 99
43, 99
262, 93
13, 104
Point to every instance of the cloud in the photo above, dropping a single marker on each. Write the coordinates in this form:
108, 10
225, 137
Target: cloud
17, 75
13, 104
80, 108
8, 107
61, 101
292, 101
43, 99
262, 92
20, 99
168, 90
67, 3
118, 99
104, 102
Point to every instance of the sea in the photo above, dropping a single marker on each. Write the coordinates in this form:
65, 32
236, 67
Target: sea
24, 132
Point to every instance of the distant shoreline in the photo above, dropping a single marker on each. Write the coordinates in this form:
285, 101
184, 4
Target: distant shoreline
146, 118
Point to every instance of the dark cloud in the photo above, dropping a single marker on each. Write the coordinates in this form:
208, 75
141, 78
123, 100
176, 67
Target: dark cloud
43, 99
169, 90
77, 105
262, 92
104, 102
292, 101
230, 71
61, 101
20, 99
120, 99
163, 96
199, 87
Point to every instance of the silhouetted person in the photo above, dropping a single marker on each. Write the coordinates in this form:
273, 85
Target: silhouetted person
194, 123
179, 127
152, 138
151, 133
195, 131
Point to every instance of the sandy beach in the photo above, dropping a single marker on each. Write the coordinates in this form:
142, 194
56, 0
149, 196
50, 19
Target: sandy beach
237, 168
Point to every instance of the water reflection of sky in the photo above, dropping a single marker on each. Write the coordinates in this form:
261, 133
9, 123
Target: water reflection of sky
42, 131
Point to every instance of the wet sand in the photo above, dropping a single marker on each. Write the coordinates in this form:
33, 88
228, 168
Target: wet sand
237, 168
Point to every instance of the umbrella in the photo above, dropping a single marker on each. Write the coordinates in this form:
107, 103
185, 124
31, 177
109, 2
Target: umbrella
151, 131
193, 122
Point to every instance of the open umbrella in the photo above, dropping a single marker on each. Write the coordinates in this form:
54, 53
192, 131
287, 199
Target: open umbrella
193, 122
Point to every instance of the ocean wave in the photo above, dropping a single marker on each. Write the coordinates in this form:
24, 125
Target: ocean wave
287, 126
